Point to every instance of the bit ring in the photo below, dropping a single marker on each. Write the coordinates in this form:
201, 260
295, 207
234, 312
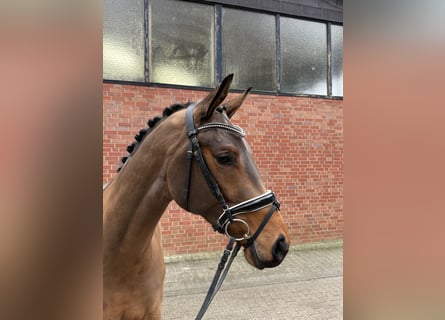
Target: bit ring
246, 235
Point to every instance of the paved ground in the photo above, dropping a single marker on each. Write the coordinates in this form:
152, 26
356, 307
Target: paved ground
307, 285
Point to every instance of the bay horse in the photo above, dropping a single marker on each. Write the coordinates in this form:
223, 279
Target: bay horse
196, 157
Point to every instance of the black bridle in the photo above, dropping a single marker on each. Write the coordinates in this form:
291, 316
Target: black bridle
229, 213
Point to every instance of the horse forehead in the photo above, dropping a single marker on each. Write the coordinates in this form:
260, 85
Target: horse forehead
223, 137
222, 117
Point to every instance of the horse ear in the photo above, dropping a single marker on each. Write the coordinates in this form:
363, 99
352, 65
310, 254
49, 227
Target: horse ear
205, 108
234, 104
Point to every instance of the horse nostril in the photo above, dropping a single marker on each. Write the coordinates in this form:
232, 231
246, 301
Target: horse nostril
280, 248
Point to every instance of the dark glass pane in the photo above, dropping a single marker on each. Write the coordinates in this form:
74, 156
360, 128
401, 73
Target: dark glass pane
249, 49
123, 40
304, 57
181, 43
337, 60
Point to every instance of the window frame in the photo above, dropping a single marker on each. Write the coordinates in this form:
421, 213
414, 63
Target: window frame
218, 45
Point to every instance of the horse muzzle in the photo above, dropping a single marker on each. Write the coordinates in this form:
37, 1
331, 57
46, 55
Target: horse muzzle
256, 257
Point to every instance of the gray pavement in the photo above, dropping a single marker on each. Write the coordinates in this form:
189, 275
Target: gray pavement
307, 285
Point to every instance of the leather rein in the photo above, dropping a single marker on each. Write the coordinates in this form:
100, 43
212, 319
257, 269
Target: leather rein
229, 214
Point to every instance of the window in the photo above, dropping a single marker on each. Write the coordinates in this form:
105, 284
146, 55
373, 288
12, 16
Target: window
181, 46
123, 40
337, 60
249, 49
304, 57
189, 43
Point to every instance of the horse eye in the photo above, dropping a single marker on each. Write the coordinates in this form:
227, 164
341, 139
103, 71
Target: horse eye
225, 160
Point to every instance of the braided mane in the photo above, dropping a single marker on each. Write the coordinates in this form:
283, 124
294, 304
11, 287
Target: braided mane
131, 148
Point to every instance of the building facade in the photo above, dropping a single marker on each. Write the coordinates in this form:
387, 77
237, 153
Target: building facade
160, 52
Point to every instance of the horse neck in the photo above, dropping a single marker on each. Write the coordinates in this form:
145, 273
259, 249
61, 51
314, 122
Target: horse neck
135, 201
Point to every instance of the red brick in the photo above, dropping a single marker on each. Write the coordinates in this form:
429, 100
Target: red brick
298, 150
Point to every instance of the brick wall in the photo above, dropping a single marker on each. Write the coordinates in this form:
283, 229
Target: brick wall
297, 144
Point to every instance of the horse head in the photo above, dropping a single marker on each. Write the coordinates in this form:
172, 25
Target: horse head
212, 161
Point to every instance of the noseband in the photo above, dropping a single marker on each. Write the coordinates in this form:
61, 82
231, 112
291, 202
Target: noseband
229, 213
